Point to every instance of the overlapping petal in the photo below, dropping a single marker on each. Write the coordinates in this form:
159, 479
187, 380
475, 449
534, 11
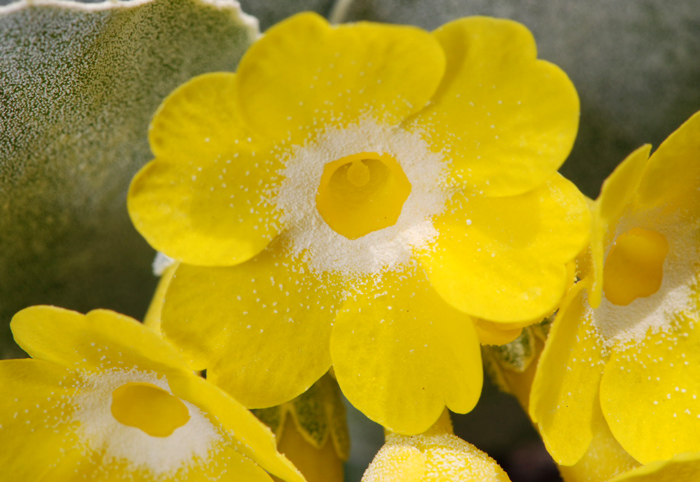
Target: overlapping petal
261, 329
507, 120
655, 381
681, 468
504, 259
401, 354
304, 75
32, 410
616, 194
101, 339
672, 177
565, 388
210, 181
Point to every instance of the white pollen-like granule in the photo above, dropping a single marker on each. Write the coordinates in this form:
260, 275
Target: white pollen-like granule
322, 249
101, 432
618, 326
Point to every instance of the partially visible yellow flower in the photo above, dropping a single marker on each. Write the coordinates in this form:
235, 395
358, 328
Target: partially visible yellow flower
373, 197
435, 456
105, 398
626, 341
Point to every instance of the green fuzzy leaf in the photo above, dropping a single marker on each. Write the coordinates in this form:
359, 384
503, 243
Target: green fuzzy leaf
78, 86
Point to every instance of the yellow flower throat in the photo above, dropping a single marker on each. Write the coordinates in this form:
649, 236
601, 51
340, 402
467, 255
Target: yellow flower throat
362, 193
634, 266
149, 408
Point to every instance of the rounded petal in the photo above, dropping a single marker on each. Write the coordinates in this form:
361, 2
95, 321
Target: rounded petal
681, 468
494, 334
604, 459
33, 413
225, 465
657, 381
616, 194
397, 340
203, 199
303, 75
260, 329
101, 339
565, 389
507, 119
258, 442
672, 177
504, 259
396, 463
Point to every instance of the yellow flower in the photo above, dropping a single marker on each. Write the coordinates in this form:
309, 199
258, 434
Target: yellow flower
435, 456
363, 196
105, 398
627, 340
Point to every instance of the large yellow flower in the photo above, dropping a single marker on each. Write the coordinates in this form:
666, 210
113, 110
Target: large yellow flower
107, 399
362, 196
627, 338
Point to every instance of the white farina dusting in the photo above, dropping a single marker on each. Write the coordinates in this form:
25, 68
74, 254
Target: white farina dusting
618, 326
321, 247
101, 432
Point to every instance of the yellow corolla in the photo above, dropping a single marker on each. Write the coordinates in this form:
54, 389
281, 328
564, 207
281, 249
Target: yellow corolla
627, 338
105, 398
366, 196
435, 456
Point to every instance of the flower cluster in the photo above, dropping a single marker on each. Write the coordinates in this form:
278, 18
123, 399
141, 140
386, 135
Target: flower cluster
366, 208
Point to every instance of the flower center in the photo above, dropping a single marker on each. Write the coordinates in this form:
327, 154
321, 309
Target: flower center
634, 266
362, 193
149, 408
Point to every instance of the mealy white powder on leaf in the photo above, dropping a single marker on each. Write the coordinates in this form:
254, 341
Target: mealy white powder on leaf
618, 326
101, 432
324, 250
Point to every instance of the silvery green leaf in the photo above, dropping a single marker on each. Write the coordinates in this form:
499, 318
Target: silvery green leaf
635, 64
78, 86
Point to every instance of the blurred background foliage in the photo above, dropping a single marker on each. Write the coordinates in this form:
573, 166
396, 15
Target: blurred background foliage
77, 91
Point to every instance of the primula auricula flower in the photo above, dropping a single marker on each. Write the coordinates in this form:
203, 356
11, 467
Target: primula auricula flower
435, 456
363, 196
105, 398
627, 338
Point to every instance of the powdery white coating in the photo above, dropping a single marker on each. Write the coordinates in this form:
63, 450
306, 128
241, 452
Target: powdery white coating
443, 457
324, 250
621, 325
161, 262
100, 431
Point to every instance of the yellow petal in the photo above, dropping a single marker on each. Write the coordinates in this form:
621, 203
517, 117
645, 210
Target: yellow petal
396, 340
226, 465
493, 334
617, 193
261, 329
682, 468
504, 259
507, 119
657, 381
34, 417
102, 339
565, 389
304, 75
604, 459
153, 315
203, 199
672, 177
258, 442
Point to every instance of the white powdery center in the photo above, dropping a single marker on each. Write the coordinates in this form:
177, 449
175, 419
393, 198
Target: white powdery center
675, 300
323, 249
100, 431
